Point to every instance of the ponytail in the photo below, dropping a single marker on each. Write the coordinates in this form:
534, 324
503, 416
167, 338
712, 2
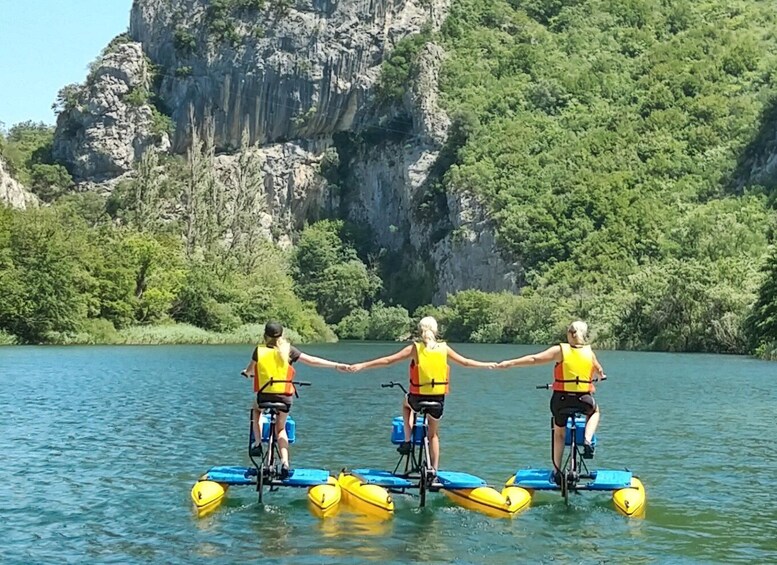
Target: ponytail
281, 345
427, 328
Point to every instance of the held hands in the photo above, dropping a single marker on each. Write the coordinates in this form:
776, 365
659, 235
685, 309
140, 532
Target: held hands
503, 364
355, 368
344, 367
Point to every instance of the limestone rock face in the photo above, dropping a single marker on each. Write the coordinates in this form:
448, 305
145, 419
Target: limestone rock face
12, 193
108, 123
304, 71
429, 119
395, 199
278, 185
293, 78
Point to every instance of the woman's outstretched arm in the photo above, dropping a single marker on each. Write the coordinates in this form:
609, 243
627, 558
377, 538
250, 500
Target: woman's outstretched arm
598, 369
466, 362
549, 355
384, 361
321, 362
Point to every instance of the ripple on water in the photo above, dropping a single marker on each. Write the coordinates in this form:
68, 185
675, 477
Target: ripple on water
100, 461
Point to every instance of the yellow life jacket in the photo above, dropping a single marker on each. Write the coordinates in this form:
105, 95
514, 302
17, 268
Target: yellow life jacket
431, 374
270, 368
576, 370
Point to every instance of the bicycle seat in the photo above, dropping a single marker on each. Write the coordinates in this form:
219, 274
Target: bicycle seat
574, 412
424, 405
275, 406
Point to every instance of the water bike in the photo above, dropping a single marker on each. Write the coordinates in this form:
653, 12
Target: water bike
323, 490
369, 489
575, 476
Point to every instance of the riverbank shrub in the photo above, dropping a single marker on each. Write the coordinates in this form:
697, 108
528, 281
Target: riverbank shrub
8, 339
380, 323
762, 322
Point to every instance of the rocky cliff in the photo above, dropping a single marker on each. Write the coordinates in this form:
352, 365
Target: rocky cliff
295, 78
394, 195
107, 123
286, 70
13, 193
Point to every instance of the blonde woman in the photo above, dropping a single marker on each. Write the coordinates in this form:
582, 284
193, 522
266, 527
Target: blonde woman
272, 372
576, 370
429, 377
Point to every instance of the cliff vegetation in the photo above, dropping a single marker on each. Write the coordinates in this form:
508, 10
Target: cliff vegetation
623, 151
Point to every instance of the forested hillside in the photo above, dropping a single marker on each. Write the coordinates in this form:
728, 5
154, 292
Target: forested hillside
611, 141
624, 151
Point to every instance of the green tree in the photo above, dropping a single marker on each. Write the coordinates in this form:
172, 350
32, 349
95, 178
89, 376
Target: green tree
27, 151
388, 323
762, 321
158, 271
45, 285
329, 274
355, 325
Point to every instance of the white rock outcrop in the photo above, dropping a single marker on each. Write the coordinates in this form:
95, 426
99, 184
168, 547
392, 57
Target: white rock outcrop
12, 193
108, 123
302, 72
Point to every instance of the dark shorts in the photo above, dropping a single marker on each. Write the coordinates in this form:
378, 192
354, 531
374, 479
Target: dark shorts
288, 400
436, 413
583, 403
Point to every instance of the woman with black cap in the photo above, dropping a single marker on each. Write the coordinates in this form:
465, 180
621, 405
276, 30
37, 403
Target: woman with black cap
272, 371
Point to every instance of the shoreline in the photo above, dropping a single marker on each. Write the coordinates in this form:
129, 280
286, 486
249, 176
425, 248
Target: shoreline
250, 334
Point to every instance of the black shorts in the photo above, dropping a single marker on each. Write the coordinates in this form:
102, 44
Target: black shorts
584, 403
287, 399
436, 413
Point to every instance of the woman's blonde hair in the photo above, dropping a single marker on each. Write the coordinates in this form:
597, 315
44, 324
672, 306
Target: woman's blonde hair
578, 330
281, 345
427, 329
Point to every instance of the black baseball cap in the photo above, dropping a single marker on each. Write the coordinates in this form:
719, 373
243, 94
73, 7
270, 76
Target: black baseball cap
273, 329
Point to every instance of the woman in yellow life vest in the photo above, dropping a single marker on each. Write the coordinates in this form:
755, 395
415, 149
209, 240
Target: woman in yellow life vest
573, 386
429, 380
272, 373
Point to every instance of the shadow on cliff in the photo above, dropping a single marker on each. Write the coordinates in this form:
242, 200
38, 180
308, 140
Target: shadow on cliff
757, 164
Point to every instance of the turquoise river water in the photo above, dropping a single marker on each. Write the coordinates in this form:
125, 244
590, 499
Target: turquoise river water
101, 445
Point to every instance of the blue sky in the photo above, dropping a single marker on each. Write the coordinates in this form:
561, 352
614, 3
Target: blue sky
46, 44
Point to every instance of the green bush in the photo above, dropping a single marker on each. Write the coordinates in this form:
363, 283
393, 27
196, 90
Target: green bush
328, 272
355, 325
184, 41
388, 323
8, 339
395, 72
761, 324
49, 182
137, 96
161, 124
114, 43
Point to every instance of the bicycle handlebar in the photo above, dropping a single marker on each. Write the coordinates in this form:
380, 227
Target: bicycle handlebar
392, 384
295, 383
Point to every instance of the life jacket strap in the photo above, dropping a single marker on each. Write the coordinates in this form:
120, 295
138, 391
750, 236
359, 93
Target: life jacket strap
576, 380
432, 383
